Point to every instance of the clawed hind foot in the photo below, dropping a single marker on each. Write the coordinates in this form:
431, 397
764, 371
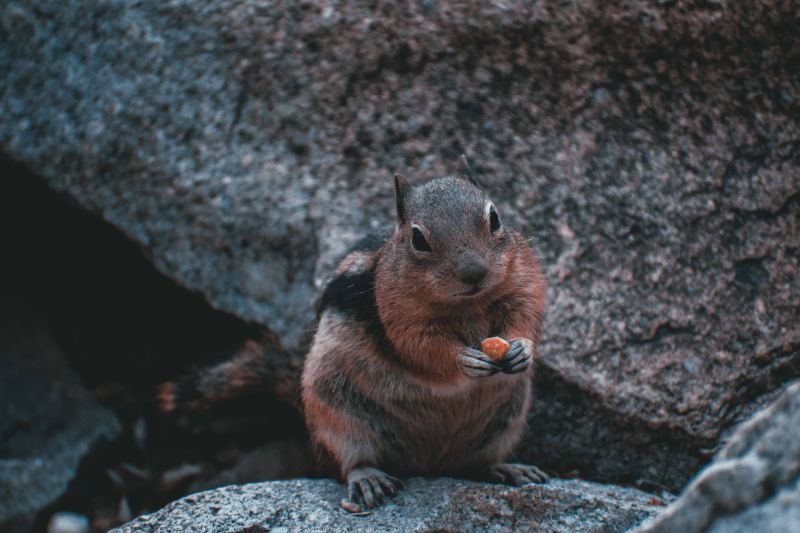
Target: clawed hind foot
369, 487
517, 474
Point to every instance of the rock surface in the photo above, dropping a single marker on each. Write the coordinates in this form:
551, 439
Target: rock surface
650, 149
424, 505
48, 421
753, 484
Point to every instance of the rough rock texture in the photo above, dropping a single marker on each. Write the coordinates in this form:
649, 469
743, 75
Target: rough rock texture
437, 505
650, 149
753, 484
48, 421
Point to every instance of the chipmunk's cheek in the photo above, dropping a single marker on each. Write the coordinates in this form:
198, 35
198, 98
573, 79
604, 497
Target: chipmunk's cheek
439, 289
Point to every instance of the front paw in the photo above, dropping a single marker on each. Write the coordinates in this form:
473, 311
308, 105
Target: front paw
519, 356
476, 364
368, 487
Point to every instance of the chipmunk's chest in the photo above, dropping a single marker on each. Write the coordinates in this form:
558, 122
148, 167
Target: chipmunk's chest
471, 329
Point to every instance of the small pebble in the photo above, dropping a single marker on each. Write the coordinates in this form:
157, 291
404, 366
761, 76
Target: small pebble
124, 513
65, 522
350, 506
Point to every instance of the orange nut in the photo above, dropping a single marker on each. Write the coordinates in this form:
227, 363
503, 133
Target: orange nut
494, 347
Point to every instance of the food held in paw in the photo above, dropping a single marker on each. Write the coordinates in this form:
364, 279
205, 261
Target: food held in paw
494, 347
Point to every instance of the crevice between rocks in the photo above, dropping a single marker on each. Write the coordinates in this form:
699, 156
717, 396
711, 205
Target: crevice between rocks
124, 328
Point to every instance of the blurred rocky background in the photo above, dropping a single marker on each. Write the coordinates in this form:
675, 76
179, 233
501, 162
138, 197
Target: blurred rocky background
179, 177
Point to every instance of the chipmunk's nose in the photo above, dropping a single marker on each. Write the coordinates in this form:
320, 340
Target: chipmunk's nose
471, 267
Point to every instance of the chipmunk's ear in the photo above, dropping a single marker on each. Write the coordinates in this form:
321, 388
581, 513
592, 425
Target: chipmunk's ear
463, 170
401, 186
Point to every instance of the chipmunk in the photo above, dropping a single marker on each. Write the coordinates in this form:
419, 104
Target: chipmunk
394, 383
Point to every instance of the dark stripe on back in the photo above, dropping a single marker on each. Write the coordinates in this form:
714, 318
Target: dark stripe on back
353, 294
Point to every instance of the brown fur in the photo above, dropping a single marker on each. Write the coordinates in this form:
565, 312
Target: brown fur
259, 364
402, 403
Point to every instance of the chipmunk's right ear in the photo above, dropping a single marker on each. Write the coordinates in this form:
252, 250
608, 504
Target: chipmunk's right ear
401, 186
464, 171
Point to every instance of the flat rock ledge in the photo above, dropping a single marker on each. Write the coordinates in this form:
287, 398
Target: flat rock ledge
424, 505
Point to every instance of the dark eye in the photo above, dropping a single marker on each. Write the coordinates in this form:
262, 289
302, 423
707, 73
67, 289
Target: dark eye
494, 220
418, 241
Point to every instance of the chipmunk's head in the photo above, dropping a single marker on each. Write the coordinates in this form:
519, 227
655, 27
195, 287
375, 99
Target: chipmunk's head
452, 243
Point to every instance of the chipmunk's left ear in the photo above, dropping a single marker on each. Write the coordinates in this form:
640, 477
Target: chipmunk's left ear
463, 170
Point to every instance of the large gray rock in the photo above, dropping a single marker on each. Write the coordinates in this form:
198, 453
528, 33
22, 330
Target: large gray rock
753, 484
650, 149
49, 422
437, 505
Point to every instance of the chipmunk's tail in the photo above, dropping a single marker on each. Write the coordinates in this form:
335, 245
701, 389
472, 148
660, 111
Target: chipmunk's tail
259, 365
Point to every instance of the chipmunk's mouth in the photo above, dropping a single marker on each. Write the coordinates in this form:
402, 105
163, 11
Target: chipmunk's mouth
472, 292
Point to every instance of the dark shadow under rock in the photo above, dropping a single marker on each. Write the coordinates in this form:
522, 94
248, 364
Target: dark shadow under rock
115, 316
282, 459
49, 423
118, 327
424, 505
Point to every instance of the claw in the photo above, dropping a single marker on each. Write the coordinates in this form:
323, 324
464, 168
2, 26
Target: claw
366, 492
517, 474
516, 349
368, 487
474, 363
377, 490
518, 358
353, 493
519, 367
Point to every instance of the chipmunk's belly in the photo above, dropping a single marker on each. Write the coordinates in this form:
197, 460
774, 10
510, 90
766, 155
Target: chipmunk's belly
448, 432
